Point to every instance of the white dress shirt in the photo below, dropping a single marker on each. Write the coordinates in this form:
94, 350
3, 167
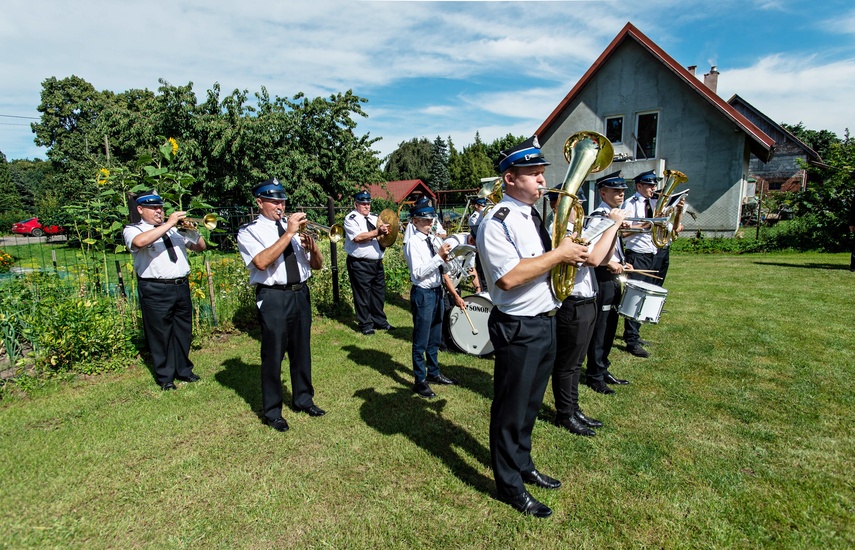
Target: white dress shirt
256, 236
152, 261
501, 245
424, 266
641, 243
617, 253
354, 224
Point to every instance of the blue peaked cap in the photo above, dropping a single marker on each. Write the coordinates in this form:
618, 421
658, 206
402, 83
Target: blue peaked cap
270, 189
527, 153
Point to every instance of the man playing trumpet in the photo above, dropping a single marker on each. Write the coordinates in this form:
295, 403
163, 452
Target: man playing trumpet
161, 265
280, 262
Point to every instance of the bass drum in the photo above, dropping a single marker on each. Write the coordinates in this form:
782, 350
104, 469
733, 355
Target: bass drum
468, 340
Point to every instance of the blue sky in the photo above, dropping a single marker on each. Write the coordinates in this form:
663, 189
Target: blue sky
427, 68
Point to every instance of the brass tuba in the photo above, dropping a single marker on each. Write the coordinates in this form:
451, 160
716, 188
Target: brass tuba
661, 234
586, 152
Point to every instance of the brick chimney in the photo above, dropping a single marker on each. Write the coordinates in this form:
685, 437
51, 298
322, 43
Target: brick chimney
711, 79
692, 69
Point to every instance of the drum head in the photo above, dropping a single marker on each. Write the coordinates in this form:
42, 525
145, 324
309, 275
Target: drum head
462, 333
646, 288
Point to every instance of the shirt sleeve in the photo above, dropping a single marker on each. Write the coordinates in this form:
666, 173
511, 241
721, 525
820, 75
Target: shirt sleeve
498, 253
248, 245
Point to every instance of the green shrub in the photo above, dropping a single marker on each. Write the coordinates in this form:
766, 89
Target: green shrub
68, 330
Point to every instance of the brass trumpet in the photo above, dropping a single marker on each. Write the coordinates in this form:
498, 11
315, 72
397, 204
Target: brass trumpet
209, 222
334, 233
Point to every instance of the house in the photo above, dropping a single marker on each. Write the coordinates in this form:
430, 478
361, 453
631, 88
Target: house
398, 191
659, 115
783, 172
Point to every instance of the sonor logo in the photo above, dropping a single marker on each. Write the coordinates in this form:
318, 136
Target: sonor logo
479, 309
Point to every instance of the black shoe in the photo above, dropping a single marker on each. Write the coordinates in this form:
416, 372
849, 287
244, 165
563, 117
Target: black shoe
590, 422
536, 478
600, 387
387, 327
423, 390
610, 379
368, 331
168, 386
441, 379
528, 505
641, 341
313, 410
574, 425
278, 424
638, 351
191, 378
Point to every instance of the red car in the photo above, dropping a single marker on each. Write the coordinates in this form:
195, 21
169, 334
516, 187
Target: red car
34, 228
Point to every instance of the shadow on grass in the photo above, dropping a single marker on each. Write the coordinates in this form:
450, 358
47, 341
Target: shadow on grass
421, 421
833, 267
382, 362
474, 380
245, 380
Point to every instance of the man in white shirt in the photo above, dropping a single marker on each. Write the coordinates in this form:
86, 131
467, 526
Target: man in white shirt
640, 250
280, 262
365, 264
597, 376
516, 254
161, 265
426, 257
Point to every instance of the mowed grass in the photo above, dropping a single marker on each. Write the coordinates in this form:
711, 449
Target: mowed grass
736, 432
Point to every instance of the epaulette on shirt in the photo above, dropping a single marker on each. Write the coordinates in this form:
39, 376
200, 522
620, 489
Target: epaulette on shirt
501, 213
352, 215
247, 224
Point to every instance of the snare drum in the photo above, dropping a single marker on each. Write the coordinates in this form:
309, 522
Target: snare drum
642, 301
478, 306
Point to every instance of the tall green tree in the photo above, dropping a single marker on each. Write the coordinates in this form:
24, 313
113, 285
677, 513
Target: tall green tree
10, 200
439, 177
410, 161
471, 165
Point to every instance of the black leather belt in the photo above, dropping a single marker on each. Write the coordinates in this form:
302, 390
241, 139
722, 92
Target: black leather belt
550, 313
293, 288
371, 260
178, 281
582, 301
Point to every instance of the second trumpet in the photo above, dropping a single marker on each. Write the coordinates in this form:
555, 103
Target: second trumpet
334, 233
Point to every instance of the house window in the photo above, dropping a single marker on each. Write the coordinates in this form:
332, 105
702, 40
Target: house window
646, 132
614, 129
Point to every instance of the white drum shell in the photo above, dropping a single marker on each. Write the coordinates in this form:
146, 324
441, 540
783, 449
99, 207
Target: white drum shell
479, 307
642, 301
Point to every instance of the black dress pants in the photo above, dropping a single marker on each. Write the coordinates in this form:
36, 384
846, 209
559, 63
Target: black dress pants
167, 314
524, 352
286, 325
368, 281
575, 324
638, 261
605, 327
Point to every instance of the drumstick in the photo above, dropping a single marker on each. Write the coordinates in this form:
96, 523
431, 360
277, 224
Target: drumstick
474, 330
645, 272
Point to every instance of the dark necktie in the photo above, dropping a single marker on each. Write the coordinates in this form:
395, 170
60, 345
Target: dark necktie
648, 210
429, 242
292, 270
170, 248
541, 231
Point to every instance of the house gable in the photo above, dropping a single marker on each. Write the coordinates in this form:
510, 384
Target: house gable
397, 191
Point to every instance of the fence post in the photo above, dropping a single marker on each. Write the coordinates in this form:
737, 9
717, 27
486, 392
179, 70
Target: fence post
333, 249
211, 291
53, 258
121, 279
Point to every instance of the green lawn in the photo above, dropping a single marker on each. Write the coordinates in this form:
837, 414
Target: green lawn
736, 432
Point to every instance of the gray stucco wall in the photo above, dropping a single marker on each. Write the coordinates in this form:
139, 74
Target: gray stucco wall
693, 136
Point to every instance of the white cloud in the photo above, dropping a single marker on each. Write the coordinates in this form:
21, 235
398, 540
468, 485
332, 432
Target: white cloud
792, 89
